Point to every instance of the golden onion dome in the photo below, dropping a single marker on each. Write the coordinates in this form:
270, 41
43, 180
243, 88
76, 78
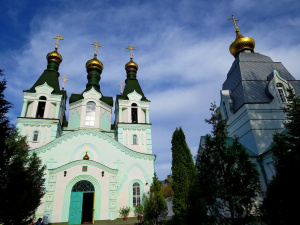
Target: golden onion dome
94, 63
241, 43
86, 157
54, 56
131, 66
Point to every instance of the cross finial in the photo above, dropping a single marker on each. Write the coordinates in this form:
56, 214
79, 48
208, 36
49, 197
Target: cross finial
96, 43
121, 86
131, 48
57, 37
234, 19
64, 79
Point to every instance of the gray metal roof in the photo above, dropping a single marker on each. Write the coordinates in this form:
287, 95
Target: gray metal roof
248, 78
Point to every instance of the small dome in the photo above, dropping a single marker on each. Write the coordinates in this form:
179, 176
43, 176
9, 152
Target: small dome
241, 43
86, 157
94, 63
131, 66
54, 56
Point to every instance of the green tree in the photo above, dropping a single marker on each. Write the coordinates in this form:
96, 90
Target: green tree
21, 173
183, 173
155, 206
228, 182
283, 190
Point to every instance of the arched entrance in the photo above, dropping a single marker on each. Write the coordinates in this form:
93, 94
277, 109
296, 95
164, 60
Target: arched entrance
82, 203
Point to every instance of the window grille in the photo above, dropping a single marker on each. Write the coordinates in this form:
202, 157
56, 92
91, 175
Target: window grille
281, 92
136, 194
134, 139
90, 114
83, 185
35, 136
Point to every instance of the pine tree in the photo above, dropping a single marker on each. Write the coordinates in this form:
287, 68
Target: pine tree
155, 206
21, 174
227, 181
283, 190
183, 172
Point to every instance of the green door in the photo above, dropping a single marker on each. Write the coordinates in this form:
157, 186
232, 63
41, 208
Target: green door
75, 208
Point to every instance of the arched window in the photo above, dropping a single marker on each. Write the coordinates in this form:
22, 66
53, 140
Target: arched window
134, 113
35, 136
134, 139
90, 114
225, 110
136, 195
41, 107
281, 92
82, 186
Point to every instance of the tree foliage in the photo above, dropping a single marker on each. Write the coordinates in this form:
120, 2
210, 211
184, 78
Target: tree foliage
21, 174
227, 183
283, 190
183, 172
155, 206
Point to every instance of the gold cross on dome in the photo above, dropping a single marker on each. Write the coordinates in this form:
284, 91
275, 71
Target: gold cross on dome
64, 79
96, 43
57, 37
131, 48
121, 86
234, 19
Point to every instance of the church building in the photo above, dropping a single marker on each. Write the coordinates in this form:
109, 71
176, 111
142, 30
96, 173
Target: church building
94, 166
252, 98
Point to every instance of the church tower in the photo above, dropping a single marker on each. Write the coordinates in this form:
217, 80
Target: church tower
44, 105
133, 128
90, 109
252, 98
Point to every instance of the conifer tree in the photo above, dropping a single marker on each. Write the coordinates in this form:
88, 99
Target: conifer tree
155, 206
183, 172
283, 191
227, 181
21, 174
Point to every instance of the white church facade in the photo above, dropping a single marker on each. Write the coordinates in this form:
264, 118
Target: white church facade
93, 166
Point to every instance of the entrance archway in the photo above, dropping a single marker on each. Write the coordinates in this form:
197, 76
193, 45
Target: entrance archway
82, 203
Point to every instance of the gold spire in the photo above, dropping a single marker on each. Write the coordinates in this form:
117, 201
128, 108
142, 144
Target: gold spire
235, 25
121, 86
64, 79
94, 62
131, 48
86, 157
96, 43
57, 37
131, 65
241, 42
55, 56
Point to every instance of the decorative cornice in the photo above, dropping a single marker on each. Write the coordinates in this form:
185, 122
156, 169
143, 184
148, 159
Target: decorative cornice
83, 162
99, 134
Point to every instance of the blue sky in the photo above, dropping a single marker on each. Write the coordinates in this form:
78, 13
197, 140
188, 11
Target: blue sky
182, 51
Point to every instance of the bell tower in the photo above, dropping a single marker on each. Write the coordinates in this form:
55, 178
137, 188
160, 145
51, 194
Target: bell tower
133, 128
44, 105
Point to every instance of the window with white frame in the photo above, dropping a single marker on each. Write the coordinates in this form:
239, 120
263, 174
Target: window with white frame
136, 195
281, 92
134, 139
35, 136
90, 114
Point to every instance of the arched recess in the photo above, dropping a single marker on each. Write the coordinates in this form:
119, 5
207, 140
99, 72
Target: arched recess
89, 152
74, 120
146, 176
104, 122
130, 188
67, 196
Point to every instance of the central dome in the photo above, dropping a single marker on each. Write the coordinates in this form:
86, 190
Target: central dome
131, 66
94, 63
54, 56
241, 43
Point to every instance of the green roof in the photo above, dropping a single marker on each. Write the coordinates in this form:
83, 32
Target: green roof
51, 78
77, 97
132, 85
